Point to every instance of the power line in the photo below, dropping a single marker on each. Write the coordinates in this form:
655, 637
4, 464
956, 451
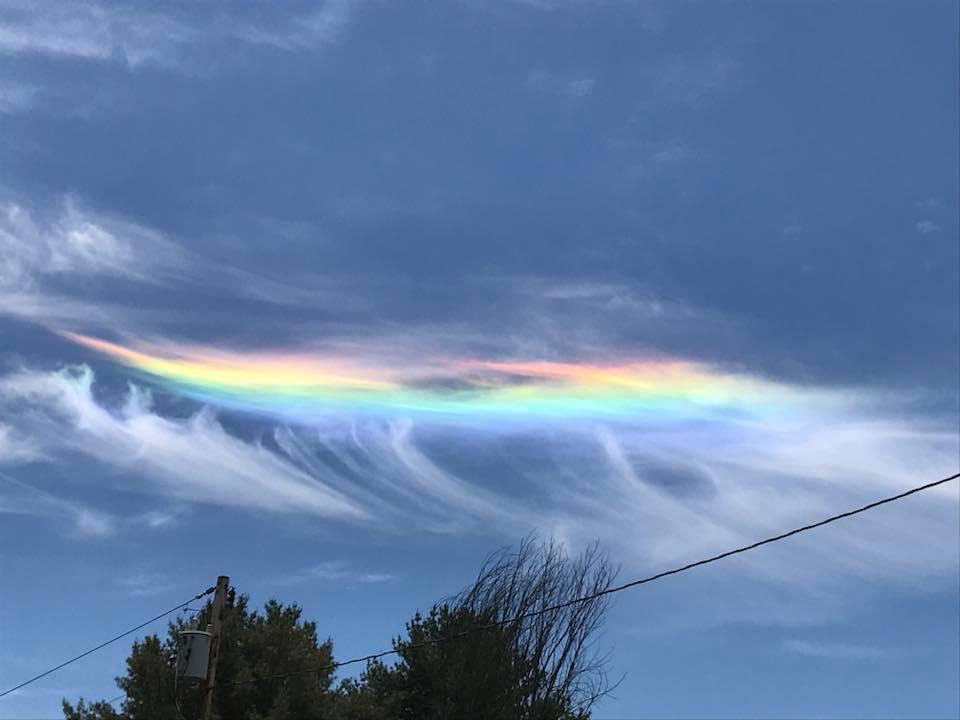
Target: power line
608, 591
108, 642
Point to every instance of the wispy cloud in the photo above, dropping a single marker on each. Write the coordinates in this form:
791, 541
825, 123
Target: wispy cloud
651, 12
927, 227
176, 38
929, 204
193, 459
581, 87
47, 259
15, 449
20, 498
684, 82
833, 650
74, 240
660, 494
154, 519
333, 571
319, 26
65, 263
16, 97
141, 583
78, 29
562, 84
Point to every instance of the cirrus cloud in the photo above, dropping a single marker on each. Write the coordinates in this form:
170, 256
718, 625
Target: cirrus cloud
660, 494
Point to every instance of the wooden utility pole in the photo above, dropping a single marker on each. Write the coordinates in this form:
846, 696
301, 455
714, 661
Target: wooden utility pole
216, 617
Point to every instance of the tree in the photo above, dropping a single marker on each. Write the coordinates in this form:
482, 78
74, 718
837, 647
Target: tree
545, 667
99, 710
255, 645
467, 658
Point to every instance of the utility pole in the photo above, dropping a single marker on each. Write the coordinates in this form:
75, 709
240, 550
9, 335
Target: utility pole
216, 613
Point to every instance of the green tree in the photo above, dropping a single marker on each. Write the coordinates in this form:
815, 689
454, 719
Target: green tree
467, 658
452, 664
255, 646
90, 711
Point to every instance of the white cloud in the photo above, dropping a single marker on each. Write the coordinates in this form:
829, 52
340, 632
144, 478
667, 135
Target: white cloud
561, 84
154, 519
659, 494
391, 479
927, 227
141, 583
48, 258
333, 571
61, 263
93, 523
833, 650
680, 495
193, 459
78, 29
651, 15
581, 87
664, 494
15, 449
73, 240
19, 498
930, 203
687, 82
16, 97
137, 34
320, 26
382, 465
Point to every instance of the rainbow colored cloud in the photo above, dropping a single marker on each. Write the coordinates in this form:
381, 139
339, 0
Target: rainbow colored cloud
304, 387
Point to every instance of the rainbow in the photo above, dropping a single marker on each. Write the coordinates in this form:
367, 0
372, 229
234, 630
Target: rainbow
303, 387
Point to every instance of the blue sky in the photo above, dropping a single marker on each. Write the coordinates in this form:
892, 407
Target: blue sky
767, 190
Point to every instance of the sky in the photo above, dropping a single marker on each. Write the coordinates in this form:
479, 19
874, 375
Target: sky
338, 297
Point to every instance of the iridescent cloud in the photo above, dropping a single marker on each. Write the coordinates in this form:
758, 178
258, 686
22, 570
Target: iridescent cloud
309, 386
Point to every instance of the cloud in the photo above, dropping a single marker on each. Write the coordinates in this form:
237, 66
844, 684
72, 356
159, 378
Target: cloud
662, 494
48, 258
562, 317
658, 493
15, 449
137, 35
320, 26
78, 29
927, 227
66, 265
573, 86
19, 498
193, 459
73, 240
757, 478
383, 465
682, 475
16, 97
141, 583
683, 82
581, 87
652, 14
930, 203
333, 571
154, 519
833, 650
63, 263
